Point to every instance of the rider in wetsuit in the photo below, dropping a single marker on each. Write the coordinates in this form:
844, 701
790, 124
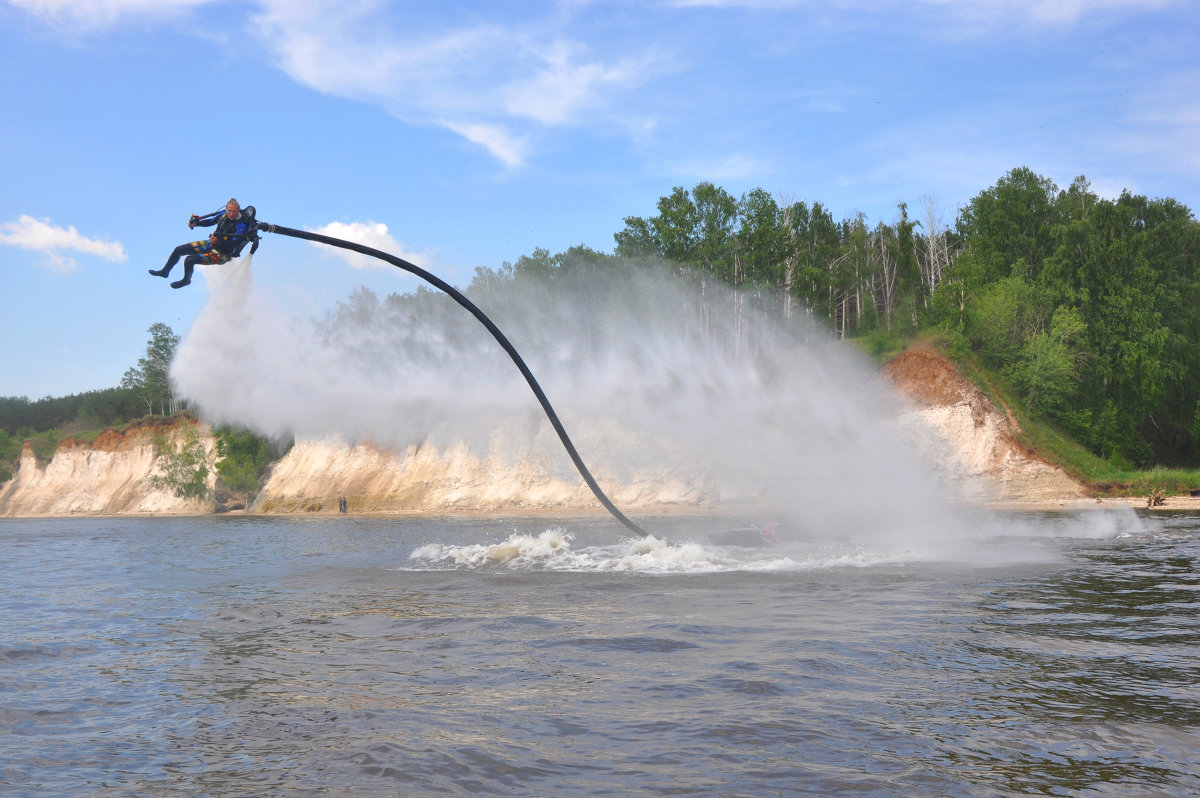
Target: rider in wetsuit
232, 229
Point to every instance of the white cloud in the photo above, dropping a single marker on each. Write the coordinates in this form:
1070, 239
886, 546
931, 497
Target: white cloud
39, 235
506, 148
565, 87
98, 14
1039, 12
494, 84
1110, 188
369, 234
732, 167
954, 18
1162, 124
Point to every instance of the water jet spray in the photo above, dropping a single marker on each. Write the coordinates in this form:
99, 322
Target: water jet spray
470, 306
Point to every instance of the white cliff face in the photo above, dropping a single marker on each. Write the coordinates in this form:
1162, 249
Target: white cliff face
315, 474
951, 423
969, 440
979, 456
110, 476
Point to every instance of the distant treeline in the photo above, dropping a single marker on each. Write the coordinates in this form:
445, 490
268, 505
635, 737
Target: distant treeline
1087, 307
22, 416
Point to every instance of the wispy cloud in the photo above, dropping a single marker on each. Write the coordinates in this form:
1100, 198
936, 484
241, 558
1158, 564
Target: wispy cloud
566, 84
494, 84
1033, 13
370, 234
39, 235
507, 78
950, 19
503, 145
735, 167
1162, 124
100, 14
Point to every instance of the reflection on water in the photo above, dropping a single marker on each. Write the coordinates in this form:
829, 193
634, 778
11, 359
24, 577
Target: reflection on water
246, 656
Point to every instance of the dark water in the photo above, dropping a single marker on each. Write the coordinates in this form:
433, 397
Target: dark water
250, 656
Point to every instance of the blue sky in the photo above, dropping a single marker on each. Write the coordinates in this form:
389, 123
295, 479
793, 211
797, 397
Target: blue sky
467, 134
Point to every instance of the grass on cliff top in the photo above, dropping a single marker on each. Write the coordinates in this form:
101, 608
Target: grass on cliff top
1044, 438
1057, 447
45, 443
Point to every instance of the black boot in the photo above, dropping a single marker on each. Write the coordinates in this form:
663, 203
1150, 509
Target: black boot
163, 272
188, 266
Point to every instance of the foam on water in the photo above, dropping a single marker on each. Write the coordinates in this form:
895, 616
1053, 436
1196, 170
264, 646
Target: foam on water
554, 550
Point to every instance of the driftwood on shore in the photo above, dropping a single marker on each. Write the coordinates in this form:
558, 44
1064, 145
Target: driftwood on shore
1157, 498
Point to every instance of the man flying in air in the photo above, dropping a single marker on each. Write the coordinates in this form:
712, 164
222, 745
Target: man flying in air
233, 228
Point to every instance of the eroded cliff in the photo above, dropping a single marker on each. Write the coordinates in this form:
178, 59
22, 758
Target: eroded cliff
108, 476
950, 422
314, 475
973, 443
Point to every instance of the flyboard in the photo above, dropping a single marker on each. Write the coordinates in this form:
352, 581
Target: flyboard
474, 310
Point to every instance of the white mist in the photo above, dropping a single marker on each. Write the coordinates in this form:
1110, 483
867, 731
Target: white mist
649, 375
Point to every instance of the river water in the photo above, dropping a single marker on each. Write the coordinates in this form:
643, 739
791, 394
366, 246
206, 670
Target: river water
347, 656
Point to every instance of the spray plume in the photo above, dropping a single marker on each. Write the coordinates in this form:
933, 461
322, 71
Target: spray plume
651, 373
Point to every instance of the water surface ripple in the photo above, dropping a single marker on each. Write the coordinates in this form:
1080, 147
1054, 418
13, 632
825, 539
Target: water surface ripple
378, 657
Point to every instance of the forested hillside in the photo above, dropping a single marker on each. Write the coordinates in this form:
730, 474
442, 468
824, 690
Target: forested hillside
1086, 305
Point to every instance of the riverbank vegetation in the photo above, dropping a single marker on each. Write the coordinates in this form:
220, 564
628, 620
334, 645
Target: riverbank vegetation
1077, 313
1086, 307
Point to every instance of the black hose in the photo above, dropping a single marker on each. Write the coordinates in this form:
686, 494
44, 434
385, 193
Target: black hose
434, 280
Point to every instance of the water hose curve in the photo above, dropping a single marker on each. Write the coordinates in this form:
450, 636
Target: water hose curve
458, 297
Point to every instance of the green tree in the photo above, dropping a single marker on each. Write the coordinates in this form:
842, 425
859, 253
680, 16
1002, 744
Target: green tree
677, 226
1006, 315
10, 450
1047, 371
762, 241
908, 271
847, 276
639, 239
1015, 220
242, 459
814, 246
1102, 267
150, 378
183, 470
539, 265
693, 228
717, 223
893, 274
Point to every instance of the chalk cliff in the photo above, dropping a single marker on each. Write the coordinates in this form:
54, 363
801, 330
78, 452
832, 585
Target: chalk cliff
972, 443
315, 474
109, 476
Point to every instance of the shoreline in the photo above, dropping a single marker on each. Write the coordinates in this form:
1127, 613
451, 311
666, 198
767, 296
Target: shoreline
1170, 503
1064, 504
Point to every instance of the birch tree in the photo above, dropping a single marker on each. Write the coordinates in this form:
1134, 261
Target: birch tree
150, 378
